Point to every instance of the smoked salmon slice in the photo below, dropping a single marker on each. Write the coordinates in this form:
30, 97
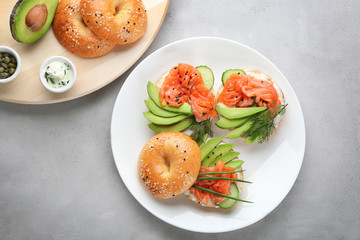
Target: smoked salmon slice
183, 84
243, 90
220, 186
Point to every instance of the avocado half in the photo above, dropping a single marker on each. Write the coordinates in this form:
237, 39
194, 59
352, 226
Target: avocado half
30, 19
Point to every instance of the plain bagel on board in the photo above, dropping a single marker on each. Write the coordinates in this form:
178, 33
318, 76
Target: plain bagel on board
169, 164
71, 32
117, 21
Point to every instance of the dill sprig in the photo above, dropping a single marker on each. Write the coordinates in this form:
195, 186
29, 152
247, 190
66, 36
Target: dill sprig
264, 123
200, 129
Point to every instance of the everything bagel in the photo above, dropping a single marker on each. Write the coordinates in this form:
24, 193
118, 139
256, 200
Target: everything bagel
169, 164
71, 32
119, 21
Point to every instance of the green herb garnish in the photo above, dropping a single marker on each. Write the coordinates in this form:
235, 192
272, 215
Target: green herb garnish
264, 123
222, 178
209, 173
48, 78
200, 129
220, 194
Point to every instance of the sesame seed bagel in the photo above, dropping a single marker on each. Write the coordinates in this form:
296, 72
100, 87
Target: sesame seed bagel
118, 21
71, 32
169, 164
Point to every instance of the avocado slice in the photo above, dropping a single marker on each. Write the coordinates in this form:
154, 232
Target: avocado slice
217, 151
234, 164
234, 113
30, 19
155, 109
163, 121
251, 140
238, 132
230, 123
207, 76
225, 158
204, 140
228, 72
209, 145
177, 127
154, 92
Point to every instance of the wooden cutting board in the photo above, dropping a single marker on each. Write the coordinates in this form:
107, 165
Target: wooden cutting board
92, 73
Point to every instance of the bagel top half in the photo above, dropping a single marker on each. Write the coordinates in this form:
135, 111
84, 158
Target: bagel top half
71, 32
169, 164
117, 21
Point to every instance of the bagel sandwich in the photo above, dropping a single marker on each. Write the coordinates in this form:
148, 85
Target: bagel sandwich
250, 104
182, 98
221, 178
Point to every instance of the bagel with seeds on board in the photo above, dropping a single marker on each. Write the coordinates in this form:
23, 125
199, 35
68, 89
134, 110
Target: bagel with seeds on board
71, 32
117, 21
169, 164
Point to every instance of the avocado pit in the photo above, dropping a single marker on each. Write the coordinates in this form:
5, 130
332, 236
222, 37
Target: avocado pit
36, 17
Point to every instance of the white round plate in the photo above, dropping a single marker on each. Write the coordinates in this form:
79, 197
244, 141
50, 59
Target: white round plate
272, 167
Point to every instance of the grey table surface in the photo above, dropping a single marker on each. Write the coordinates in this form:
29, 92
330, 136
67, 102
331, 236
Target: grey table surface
58, 179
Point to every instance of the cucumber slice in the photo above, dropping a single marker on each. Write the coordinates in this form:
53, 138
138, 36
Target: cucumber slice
163, 121
207, 76
154, 92
217, 151
177, 127
235, 113
228, 72
155, 109
234, 192
209, 145
238, 132
226, 123
225, 158
235, 164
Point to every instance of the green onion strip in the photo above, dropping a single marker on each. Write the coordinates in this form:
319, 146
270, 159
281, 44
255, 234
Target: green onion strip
208, 173
222, 178
220, 194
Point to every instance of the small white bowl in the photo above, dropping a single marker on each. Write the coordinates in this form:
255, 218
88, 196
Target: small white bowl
45, 83
6, 49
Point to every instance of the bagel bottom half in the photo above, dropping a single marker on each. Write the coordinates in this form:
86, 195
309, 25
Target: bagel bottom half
264, 77
169, 164
192, 197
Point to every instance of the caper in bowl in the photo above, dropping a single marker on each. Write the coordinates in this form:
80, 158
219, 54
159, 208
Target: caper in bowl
9, 64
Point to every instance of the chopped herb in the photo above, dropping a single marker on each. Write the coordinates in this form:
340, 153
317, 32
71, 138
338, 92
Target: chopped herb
264, 123
220, 194
222, 178
200, 129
